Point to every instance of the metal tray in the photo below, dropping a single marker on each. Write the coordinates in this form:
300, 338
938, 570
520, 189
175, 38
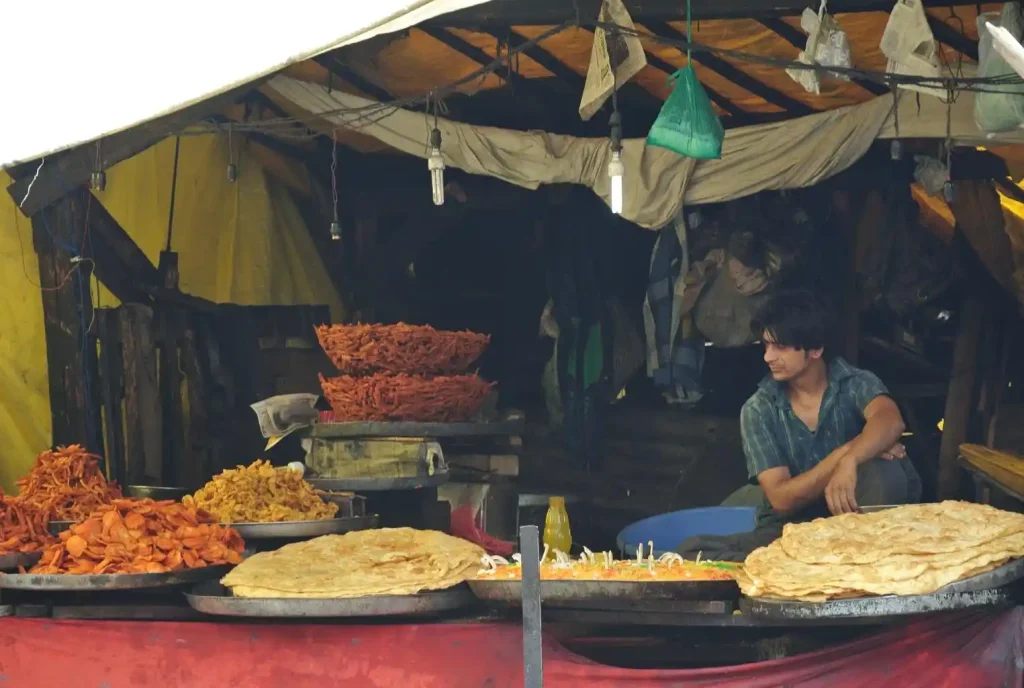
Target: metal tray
419, 430
109, 581
213, 598
601, 593
969, 592
303, 529
380, 484
886, 606
11, 562
155, 492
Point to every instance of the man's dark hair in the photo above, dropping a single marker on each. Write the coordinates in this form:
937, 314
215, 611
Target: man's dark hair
798, 318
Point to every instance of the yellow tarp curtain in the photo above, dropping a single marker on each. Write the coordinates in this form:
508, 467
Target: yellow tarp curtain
243, 242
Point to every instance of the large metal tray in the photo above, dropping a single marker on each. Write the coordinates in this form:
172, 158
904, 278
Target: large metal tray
886, 606
985, 589
371, 429
68, 582
11, 562
57, 527
380, 484
603, 593
213, 598
303, 529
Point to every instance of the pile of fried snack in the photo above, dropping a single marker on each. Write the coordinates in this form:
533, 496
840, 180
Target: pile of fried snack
141, 536
65, 484
111, 534
908, 550
387, 561
261, 493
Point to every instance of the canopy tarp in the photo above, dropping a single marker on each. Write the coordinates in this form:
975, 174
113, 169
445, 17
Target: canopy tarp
780, 155
133, 66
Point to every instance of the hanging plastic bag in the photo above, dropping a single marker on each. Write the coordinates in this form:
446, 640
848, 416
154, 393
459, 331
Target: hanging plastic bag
909, 45
1000, 108
688, 124
827, 45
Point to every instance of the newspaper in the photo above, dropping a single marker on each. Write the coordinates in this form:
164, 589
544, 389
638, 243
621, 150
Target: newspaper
615, 59
285, 413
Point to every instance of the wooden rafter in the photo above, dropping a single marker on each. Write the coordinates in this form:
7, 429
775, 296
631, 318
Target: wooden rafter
798, 39
947, 35
736, 75
339, 69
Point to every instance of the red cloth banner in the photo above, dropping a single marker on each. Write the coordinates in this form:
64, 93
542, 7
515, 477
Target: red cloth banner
978, 650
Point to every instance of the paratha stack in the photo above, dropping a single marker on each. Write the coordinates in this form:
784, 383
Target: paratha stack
908, 550
387, 561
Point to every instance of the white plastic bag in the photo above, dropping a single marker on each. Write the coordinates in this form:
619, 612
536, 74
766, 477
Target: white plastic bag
909, 44
1003, 111
827, 45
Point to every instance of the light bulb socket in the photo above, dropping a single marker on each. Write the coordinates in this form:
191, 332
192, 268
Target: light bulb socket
336, 230
615, 166
435, 139
232, 172
896, 150
98, 181
949, 191
615, 124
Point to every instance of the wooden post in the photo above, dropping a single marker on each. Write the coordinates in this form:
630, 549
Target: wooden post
143, 413
67, 312
959, 400
112, 376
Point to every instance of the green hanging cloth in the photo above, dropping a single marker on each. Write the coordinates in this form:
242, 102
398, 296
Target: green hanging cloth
688, 123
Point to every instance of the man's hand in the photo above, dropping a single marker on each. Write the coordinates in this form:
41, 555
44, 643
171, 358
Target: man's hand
896, 451
840, 493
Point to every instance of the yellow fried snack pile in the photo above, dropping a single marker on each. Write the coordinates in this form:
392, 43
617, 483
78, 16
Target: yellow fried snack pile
260, 493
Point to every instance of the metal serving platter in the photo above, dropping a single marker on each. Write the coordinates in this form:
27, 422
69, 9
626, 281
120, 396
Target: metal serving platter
380, 484
303, 529
985, 589
213, 598
372, 429
11, 562
886, 606
603, 593
155, 492
67, 582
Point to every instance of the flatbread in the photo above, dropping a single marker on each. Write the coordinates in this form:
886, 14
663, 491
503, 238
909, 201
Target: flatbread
910, 550
386, 561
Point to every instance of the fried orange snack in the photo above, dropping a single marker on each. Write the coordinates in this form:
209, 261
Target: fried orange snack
21, 529
66, 485
142, 536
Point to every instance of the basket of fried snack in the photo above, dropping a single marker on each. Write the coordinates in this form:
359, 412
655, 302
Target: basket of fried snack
141, 536
22, 530
401, 348
261, 493
65, 484
406, 398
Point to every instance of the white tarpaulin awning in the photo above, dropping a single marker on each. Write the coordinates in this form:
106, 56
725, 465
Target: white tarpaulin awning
79, 71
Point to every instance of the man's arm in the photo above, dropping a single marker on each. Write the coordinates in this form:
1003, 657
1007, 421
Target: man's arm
882, 429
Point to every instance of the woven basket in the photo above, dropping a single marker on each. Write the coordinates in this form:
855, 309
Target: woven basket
401, 348
406, 398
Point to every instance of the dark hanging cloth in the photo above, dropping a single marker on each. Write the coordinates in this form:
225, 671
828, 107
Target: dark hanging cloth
585, 344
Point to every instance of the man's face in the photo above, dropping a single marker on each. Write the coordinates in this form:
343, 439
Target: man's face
785, 362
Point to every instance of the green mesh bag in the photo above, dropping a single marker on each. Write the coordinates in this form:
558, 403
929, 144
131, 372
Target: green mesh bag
687, 123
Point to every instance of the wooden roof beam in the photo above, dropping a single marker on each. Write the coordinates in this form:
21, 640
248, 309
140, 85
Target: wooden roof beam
339, 69
736, 75
552, 12
739, 116
797, 39
947, 35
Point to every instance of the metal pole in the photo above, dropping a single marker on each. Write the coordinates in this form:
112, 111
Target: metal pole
533, 662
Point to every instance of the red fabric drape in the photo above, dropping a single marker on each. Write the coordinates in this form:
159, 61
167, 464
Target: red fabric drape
977, 650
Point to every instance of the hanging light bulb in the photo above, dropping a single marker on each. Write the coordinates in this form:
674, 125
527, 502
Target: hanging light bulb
232, 172
435, 163
336, 231
896, 150
615, 167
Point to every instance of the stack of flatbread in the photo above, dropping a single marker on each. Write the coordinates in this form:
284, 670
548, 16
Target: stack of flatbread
908, 550
388, 561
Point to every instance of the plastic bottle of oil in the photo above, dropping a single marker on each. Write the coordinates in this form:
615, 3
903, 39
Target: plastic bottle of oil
556, 527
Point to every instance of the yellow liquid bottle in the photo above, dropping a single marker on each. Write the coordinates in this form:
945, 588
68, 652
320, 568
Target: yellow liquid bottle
556, 527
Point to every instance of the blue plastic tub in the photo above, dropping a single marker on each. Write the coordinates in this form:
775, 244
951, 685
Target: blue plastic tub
668, 531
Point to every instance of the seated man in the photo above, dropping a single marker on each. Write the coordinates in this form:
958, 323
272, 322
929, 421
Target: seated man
819, 437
